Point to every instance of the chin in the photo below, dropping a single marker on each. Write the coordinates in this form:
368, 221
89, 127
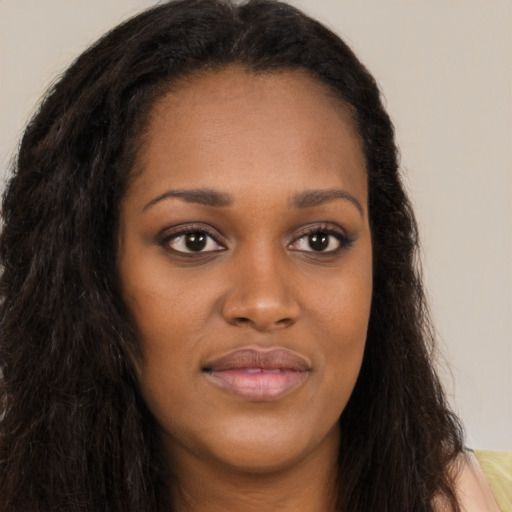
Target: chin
265, 447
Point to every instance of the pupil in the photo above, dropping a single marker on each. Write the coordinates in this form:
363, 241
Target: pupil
319, 241
195, 241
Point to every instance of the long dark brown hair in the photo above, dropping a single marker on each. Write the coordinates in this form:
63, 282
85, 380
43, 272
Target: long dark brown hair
75, 434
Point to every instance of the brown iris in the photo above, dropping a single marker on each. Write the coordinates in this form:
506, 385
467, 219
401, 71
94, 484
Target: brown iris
196, 241
319, 241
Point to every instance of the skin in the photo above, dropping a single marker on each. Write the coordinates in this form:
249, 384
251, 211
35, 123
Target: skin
265, 140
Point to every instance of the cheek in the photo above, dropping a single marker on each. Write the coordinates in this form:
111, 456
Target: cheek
167, 340
341, 322
168, 323
171, 312
166, 303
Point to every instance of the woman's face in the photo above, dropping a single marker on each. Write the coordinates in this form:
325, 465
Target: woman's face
245, 260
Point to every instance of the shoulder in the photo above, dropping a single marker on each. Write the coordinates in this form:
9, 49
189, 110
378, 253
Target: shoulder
497, 468
472, 487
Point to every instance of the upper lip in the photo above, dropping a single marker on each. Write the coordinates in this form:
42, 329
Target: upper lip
270, 359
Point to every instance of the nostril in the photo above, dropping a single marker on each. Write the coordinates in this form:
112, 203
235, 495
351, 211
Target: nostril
285, 323
242, 320
246, 321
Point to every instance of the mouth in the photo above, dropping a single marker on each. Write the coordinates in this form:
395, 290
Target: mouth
258, 375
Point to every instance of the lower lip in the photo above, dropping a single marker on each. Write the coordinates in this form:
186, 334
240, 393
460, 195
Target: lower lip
257, 384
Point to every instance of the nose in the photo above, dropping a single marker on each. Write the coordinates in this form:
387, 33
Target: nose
261, 295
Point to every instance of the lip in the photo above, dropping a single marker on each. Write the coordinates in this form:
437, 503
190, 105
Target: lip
258, 375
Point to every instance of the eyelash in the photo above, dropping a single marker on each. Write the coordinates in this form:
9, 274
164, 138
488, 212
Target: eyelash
342, 239
191, 229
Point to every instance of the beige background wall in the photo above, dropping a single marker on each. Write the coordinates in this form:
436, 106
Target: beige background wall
446, 71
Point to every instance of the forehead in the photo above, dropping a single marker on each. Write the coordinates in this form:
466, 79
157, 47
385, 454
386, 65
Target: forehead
236, 85
237, 126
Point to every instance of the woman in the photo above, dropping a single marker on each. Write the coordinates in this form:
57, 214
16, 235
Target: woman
210, 300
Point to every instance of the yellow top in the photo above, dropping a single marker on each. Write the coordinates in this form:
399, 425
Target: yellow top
497, 468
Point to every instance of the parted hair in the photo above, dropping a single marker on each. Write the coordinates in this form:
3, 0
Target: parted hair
75, 434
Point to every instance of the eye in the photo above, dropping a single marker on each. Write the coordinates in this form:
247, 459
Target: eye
192, 241
321, 240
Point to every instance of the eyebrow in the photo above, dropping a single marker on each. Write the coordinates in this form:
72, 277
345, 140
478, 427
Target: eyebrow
203, 196
310, 198
210, 197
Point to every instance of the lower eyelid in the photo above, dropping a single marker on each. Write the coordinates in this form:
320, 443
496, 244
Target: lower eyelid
166, 239
339, 235
176, 237
338, 240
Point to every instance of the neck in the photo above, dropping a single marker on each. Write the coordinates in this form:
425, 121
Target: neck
308, 485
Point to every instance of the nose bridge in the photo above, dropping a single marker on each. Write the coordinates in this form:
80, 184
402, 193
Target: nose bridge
261, 289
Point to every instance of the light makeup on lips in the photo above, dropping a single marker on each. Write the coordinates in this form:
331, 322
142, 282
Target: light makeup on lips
258, 375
